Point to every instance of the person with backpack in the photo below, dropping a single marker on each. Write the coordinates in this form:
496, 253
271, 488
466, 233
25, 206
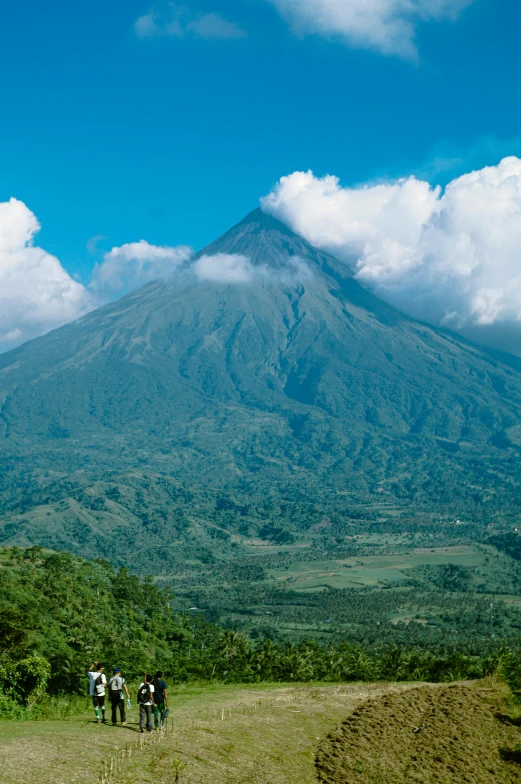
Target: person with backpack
160, 699
145, 699
117, 698
97, 683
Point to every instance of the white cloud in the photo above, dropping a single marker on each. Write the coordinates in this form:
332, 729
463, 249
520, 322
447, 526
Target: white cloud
215, 26
224, 268
451, 257
176, 22
348, 219
92, 243
36, 293
146, 26
388, 26
236, 268
132, 265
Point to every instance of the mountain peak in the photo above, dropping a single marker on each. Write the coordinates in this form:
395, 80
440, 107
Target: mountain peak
264, 222
273, 387
265, 241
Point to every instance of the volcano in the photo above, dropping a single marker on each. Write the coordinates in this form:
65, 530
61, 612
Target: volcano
287, 378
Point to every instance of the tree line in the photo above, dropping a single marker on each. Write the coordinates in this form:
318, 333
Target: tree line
58, 613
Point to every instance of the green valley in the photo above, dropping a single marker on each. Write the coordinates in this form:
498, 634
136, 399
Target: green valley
281, 479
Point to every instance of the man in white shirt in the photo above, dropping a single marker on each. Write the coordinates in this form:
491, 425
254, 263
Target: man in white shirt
145, 699
97, 683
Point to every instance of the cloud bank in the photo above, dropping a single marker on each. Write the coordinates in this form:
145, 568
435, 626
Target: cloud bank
388, 26
450, 257
36, 293
176, 22
132, 265
224, 268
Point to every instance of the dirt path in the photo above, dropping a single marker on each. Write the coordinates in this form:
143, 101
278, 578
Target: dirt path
268, 736
431, 734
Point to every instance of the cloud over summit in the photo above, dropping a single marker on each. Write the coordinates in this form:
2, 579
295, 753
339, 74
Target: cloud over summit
451, 257
224, 268
131, 265
237, 268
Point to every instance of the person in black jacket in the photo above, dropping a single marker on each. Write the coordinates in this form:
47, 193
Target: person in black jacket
160, 699
145, 699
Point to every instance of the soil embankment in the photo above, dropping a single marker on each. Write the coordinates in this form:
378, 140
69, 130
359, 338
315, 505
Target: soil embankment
431, 734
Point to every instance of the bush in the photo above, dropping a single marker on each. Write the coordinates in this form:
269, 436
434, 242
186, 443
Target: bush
25, 681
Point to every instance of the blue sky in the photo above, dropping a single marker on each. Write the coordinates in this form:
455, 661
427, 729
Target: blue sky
173, 139
167, 122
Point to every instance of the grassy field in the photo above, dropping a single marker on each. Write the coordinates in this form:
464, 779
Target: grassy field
221, 735
283, 735
368, 593
372, 570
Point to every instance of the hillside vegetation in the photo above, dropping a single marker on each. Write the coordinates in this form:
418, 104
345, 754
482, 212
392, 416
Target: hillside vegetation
58, 614
193, 413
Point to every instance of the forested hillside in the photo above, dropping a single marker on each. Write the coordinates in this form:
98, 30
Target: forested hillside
58, 614
195, 408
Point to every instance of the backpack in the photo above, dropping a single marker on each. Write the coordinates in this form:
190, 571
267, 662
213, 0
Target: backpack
98, 686
115, 688
144, 694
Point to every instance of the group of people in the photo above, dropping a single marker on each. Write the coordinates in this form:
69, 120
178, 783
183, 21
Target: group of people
152, 697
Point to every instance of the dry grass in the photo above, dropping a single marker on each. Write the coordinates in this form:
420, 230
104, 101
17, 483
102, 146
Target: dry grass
268, 735
457, 734
364, 734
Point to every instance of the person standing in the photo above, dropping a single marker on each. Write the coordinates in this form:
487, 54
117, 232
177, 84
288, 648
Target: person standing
145, 698
117, 698
97, 684
160, 699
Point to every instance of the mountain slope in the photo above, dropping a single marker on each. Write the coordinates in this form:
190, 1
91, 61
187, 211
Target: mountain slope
295, 380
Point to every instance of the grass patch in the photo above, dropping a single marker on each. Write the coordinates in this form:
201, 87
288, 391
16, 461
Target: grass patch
269, 734
372, 570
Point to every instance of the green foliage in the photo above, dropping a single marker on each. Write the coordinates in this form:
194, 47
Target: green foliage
24, 681
276, 534
509, 543
506, 663
71, 612
447, 577
67, 612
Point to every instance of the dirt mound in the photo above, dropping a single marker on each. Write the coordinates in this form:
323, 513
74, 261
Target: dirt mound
437, 734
